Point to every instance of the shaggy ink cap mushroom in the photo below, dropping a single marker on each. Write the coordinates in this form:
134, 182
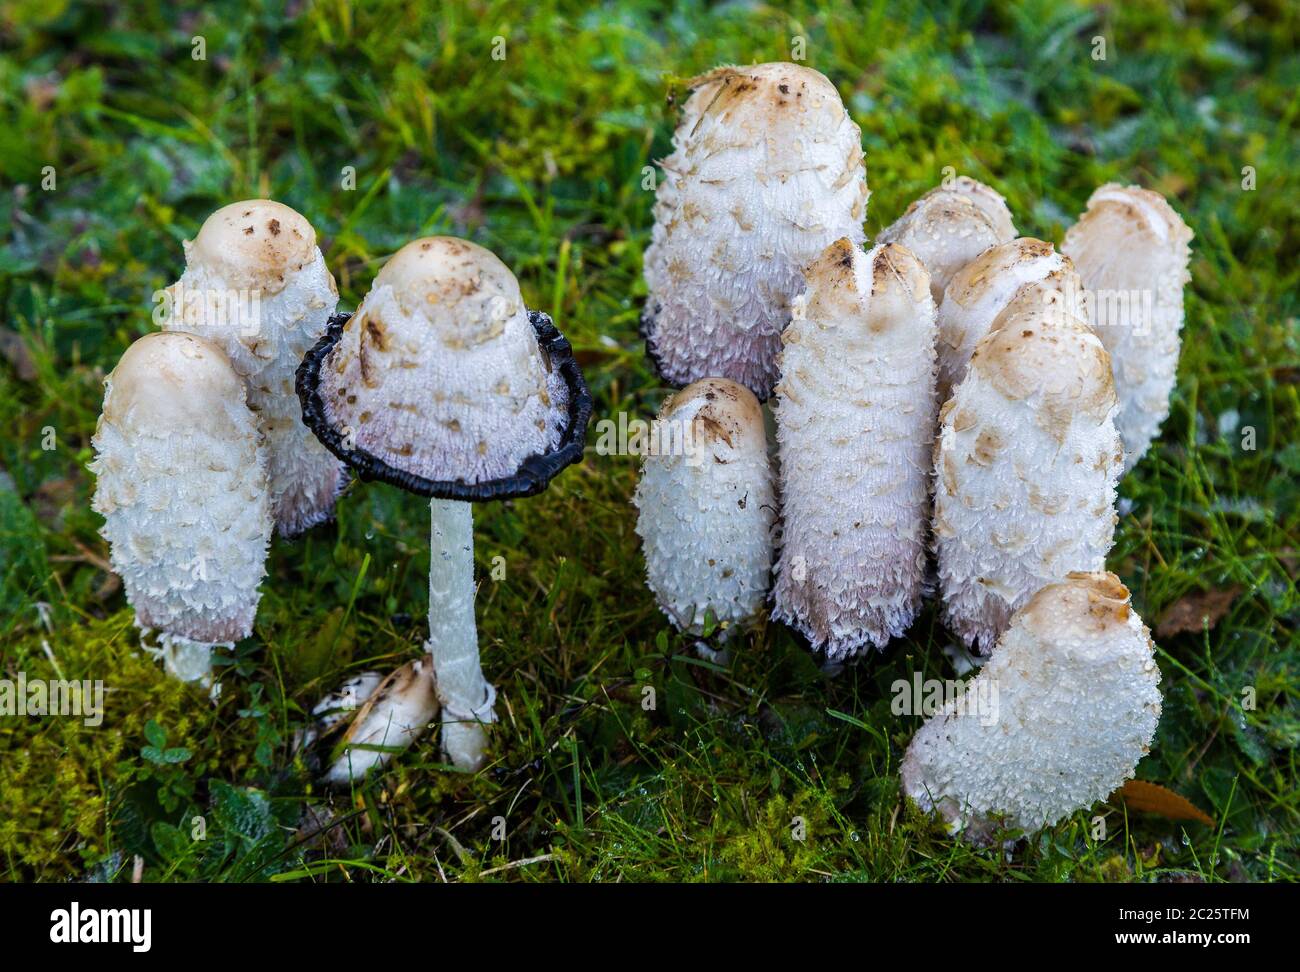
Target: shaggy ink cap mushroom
951, 225
256, 284
1026, 463
1132, 249
855, 415
706, 507
444, 384
180, 479
767, 171
1055, 721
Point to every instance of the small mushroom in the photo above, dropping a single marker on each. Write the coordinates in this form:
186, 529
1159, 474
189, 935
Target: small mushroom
1026, 464
181, 483
1131, 250
1055, 721
766, 172
855, 413
706, 509
394, 714
255, 283
983, 288
951, 225
445, 385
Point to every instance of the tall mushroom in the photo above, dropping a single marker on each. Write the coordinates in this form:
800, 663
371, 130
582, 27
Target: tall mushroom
983, 288
255, 283
444, 384
705, 507
1026, 464
855, 412
1132, 249
766, 172
181, 484
951, 225
1055, 721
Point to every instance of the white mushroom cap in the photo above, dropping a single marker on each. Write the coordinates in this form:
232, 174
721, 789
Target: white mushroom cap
439, 373
1056, 720
951, 225
766, 172
181, 482
174, 382
257, 244
1131, 250
706, 508
855, 414
1026, 464
983, 288
256, 284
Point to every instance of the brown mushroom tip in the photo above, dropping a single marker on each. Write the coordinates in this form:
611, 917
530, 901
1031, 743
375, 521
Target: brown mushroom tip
452, 281
1038, 350
776, 83
255, 243
720, 409
1094, 598
836, 258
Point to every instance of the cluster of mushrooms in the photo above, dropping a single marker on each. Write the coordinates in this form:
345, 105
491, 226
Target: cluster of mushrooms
239, 417
952, 411
947, 412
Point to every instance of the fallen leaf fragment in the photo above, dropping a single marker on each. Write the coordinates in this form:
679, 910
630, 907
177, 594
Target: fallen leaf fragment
1153, 798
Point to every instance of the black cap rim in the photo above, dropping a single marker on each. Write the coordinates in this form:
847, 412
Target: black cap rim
535, 472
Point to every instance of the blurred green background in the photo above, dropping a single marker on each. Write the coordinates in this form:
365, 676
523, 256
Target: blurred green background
539, 156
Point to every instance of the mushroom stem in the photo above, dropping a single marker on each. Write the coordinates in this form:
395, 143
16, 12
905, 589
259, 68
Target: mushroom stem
467, 698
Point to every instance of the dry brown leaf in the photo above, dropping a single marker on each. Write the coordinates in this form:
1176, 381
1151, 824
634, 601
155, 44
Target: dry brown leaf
1153, 798
1191, 611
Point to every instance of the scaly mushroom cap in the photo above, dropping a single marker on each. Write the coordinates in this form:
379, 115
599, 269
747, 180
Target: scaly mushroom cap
443, 383
1131, 250
983, 288
855, 413
1026, 464
766, 172
1055, 721
181, 483
951, 225
705, 507
256, 284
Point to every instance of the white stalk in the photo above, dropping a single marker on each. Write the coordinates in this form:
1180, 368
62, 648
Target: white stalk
467, 698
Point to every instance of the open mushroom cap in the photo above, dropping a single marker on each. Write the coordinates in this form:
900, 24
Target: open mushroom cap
254, 244
168, 381
443, 383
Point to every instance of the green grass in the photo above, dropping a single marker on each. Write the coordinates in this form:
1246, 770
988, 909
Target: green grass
539, 156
